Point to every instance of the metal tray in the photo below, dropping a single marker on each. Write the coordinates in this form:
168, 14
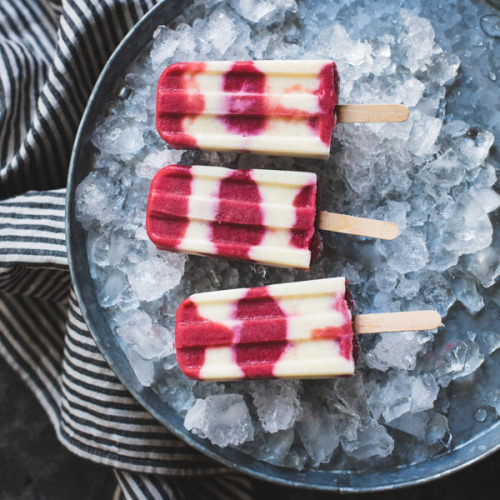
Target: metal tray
474, 449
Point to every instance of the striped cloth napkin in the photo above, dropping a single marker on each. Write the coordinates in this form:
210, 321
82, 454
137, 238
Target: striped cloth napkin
51, 53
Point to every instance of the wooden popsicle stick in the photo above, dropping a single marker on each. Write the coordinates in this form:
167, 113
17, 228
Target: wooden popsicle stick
358, 226
396, 322
371, 113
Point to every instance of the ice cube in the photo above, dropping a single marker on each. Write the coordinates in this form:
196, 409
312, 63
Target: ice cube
398, 351
424, 133
415, 40
351, 391
152, 277
386, 278
151, 341
436, 292
455, 359
488, 198
220, 31
97, 201
446, 170
362, 438
424, 391
406, 253
277, 404
475, 147
438, 431
117, 136
493, 400
414, 424
143, 368
111, 292
489, 341
485, 266
464, 286
264, 11
396, 396
469, 228
317, 432
165, 44
274, 448
444, 67
155, 160
223, 419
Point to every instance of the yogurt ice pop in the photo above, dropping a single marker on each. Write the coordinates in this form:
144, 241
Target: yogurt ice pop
268, 107
285, 108
289, 330
264, 216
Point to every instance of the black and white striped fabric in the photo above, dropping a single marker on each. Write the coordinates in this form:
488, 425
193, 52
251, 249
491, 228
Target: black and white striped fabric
51, 53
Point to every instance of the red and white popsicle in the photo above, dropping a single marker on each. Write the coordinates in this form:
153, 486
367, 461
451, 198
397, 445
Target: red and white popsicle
264, 216
286, 108
289, 330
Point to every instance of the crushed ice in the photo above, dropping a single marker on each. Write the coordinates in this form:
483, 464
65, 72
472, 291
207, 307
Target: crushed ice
430, 175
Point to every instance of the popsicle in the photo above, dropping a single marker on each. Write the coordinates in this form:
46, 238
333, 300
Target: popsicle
289, 330
264, 216
286, 108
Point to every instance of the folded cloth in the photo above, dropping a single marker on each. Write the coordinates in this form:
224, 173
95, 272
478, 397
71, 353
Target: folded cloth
51, 53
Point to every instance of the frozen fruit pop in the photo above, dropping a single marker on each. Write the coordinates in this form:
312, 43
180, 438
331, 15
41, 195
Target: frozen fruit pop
289, 330
264, 216
286, 108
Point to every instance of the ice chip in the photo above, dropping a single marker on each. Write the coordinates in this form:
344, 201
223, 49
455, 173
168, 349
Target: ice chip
165, 44
274, 448
406, 253
485, 266
475, 147
446, 170
464, 286
152, 277
149, 340
264, 11
156, 160
113, 289
94, 201
444, 67
469, 228
413, 424
277, 404
455, 359
317, 432
396, 396
424, 391
493, 400
221, 31
117, 137
395, 351
407, 288
436, 291
351, 391
424, 133
223, 419
415, 41
488, 198
438, 431
361, 437
386, 278
489, 341
143, 368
